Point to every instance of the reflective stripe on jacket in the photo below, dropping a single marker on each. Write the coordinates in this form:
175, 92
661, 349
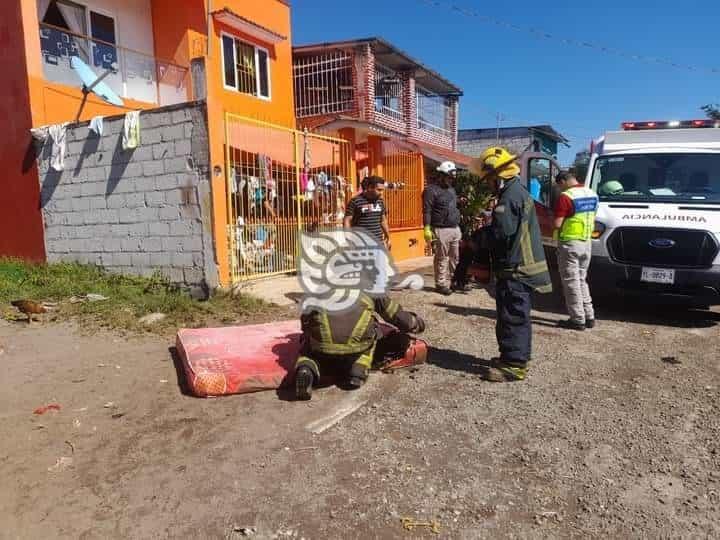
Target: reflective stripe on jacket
517, 248
355, 330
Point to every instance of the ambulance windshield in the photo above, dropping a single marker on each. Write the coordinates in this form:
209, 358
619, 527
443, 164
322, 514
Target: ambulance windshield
657, 178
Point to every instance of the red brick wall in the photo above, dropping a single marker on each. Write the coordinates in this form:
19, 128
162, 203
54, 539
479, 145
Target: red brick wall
437, 139
409, 103
364, 110
365, 82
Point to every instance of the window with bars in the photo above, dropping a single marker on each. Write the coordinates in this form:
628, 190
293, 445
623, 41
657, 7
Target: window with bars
246, 68
434, 112
388, 93
323, 84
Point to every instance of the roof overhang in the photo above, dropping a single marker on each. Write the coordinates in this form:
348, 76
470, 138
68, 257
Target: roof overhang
440, 154
247, 27
395, 59
363, 129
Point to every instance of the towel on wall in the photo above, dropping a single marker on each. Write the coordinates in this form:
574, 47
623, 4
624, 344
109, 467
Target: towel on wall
58, 133
131, 131
97, 125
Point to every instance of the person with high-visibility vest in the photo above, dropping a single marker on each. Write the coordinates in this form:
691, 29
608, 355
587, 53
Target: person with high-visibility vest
574, 225
342, 343
518, 258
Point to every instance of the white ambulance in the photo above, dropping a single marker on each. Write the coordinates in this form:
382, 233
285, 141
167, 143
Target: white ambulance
657, 232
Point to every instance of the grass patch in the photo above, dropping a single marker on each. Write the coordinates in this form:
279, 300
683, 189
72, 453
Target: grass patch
129, 298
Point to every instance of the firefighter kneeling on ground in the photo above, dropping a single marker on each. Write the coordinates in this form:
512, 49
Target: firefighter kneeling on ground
343, 344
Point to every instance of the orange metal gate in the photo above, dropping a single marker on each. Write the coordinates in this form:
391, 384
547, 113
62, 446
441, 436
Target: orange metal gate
280, 181
404, 177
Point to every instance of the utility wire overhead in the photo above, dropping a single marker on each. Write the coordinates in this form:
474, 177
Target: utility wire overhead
589, 132
543, 34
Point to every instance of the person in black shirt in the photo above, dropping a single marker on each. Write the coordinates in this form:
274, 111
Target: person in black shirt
441, 219
367, 211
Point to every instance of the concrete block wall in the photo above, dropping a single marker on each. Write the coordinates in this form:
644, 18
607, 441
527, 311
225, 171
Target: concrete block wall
137, 211
475, 147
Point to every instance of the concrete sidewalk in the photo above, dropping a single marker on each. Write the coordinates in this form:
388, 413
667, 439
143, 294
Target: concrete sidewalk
283, 290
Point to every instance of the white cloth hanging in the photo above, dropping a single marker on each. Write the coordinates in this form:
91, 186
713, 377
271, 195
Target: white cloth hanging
97, 125
42, 7
58, 133
131, 131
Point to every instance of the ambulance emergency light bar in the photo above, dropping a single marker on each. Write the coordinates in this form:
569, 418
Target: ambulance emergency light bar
676, 124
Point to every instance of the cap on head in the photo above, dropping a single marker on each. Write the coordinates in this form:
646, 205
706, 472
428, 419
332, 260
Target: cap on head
493, 160
447, 167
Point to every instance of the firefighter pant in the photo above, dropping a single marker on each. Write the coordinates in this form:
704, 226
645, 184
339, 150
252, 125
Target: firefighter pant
341, 366
574, 262
447, 254
514, 326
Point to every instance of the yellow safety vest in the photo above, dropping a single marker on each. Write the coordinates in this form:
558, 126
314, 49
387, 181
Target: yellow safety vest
580, 226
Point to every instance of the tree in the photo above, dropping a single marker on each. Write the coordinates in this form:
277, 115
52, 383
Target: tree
713, 111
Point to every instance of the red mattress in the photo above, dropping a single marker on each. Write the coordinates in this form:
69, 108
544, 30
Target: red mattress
240, 359
243, 359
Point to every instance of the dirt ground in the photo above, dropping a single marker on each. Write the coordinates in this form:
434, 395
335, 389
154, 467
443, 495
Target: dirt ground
605, 439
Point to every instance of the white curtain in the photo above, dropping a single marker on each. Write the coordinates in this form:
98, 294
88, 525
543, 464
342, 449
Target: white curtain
42, 6
75, 18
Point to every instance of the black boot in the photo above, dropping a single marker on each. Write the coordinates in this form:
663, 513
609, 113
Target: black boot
304, 379
358, 376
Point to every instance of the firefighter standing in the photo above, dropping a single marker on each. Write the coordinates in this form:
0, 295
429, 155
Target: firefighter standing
343, 343
518, 261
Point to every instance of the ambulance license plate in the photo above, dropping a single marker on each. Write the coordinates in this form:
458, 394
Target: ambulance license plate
658, 275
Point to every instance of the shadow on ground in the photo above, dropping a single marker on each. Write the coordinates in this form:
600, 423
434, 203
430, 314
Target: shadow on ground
491, 314
182, 382
613, 310
457, 361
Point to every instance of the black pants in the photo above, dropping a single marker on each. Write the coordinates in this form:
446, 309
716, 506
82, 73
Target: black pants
473, 249
514, 327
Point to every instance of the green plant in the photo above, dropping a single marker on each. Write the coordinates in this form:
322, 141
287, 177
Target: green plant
712, 111
128, 297
476, 192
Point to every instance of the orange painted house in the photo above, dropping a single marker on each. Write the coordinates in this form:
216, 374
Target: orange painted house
400, 116
234, 54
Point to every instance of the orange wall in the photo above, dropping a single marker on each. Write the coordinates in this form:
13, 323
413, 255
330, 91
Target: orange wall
179, 29
408, 244
21, 226
274, 15
53, 103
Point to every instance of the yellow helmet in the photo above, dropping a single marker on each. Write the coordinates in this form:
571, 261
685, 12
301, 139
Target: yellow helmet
492, 160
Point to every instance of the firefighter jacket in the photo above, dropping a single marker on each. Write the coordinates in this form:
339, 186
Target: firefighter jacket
516, 243
355, 330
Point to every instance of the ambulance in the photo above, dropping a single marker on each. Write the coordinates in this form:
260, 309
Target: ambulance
657, 231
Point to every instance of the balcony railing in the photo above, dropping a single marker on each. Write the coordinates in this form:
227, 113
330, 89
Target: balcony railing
134, 75
323, 84
388, 93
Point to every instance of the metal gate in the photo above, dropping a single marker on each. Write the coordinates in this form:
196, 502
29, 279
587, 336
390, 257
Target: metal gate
405, 179
280, 181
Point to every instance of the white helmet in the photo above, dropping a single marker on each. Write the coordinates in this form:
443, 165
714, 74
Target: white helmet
447, 167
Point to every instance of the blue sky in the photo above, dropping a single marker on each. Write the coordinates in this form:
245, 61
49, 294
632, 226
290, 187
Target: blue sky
581, 92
